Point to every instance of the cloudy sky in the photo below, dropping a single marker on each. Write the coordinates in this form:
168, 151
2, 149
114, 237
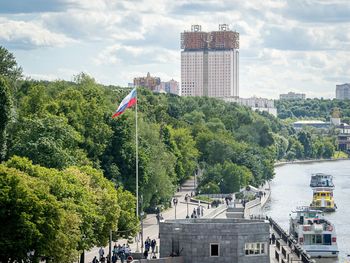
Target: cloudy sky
285, 45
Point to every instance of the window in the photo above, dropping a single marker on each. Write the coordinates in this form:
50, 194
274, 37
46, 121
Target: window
214, 250
255, 248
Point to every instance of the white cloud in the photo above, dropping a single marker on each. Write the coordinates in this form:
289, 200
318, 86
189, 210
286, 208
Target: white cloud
284, 44
30, 35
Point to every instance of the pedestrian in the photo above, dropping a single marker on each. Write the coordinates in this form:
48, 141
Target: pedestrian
95, 260
158, 218
153, 245
194, 211
202, 210
147, 244
145, 254
101, 253
273, 238
198, 211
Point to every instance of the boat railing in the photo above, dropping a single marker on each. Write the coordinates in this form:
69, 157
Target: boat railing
291, 242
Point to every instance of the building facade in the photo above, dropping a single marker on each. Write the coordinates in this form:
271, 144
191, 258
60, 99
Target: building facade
260, 104
342, 92
210, 62
147, 82
217, 240
292, 96
171, 86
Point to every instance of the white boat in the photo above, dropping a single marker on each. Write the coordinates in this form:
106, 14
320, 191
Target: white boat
315, 234
321, 180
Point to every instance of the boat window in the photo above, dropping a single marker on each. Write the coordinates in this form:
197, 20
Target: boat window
317, 239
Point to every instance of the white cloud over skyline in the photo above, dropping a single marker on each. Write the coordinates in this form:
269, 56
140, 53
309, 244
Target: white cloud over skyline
285, 45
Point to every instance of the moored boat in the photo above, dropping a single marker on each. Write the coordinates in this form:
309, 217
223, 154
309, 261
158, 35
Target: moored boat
315, 234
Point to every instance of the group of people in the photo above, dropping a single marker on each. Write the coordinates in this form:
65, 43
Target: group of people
197, 212
150, 245
118, 252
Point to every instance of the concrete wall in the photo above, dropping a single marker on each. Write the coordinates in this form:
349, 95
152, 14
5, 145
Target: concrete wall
192, 238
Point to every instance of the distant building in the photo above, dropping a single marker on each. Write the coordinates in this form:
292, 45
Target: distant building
147, 82
311, 123
171, 86
260, 104
215, 240
343, 130
210, 62
342, 92
292, 96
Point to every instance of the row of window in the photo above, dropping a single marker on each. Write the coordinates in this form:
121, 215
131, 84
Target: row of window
257, 248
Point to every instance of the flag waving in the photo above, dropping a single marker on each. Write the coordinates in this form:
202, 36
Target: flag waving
127, 102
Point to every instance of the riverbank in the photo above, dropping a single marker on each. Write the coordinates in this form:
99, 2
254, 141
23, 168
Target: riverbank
278, 164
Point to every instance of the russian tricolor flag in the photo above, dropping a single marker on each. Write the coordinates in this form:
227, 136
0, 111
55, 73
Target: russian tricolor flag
127, 102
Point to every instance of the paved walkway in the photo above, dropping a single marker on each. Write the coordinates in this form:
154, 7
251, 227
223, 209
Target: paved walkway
150, 226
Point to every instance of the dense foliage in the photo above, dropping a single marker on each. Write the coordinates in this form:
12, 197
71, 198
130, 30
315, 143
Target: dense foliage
312, 108
56, 213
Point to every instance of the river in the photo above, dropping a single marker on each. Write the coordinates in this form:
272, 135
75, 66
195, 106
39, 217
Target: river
290, 188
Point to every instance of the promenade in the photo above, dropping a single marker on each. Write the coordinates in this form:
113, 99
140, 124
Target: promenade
150, 226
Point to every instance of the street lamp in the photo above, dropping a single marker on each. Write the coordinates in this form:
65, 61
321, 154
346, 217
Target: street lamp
175, 204
208, 196
187, 197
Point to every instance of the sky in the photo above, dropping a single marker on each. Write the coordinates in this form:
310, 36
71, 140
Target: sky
285, 45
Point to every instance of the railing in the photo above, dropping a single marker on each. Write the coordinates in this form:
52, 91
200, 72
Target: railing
291, 243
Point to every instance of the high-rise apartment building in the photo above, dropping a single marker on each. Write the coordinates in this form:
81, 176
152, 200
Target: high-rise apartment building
210, 62
342, 91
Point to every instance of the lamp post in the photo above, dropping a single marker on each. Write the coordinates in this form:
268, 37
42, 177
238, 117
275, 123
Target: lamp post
187, 197
208, 196
175, 204
141, 214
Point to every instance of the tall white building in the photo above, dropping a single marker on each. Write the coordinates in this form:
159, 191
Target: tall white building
342, 91
210, 62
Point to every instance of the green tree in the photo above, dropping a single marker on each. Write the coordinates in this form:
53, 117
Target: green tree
5, 113
49, 141
60, 213
8, 65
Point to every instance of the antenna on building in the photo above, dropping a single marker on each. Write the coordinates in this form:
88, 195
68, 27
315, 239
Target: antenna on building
196, 28
224, 27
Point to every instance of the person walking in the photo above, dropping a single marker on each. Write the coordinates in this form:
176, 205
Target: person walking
101, 253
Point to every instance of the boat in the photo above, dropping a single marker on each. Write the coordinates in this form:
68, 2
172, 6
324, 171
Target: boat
322, 186
323, 199
314, 234
321, 180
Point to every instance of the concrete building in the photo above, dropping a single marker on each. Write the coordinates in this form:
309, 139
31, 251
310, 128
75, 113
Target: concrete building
147, 82
171, 86
210, 62
292, 96
342, 92
260, 104
217, 240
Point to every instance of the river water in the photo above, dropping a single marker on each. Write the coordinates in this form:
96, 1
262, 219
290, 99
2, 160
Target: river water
290, 188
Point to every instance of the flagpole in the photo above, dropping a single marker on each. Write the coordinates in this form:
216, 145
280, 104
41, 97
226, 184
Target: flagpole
137, 166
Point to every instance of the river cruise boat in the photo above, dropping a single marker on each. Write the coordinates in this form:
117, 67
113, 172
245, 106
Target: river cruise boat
321, 180
323, 199
315, 234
